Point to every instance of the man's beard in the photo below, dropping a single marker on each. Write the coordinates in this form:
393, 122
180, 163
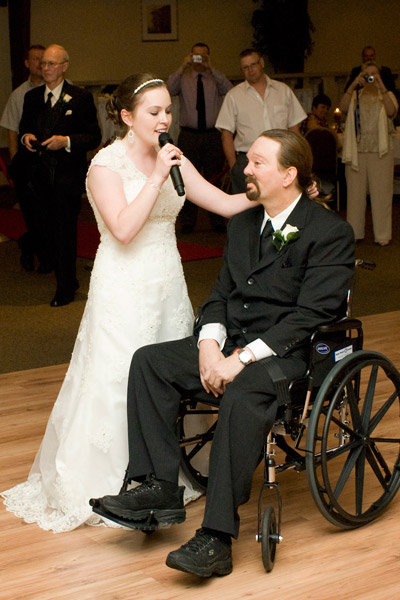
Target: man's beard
254, 194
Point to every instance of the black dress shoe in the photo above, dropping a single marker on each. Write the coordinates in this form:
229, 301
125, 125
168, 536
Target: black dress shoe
61, 300
204, 555
161, 499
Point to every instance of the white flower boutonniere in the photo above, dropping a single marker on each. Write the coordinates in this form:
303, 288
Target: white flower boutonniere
281, 238
66, 98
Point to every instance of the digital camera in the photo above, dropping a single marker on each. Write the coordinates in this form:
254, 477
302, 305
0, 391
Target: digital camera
369, 78
197, 58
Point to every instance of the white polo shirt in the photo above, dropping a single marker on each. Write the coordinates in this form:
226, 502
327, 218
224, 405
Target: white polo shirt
246, 113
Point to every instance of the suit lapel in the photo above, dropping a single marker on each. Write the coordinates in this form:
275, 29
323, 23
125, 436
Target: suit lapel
297, 218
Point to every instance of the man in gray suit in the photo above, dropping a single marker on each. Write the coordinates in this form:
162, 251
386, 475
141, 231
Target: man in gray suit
273, 291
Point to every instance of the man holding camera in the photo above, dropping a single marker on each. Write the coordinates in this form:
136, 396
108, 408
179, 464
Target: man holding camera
58, 126
200, 89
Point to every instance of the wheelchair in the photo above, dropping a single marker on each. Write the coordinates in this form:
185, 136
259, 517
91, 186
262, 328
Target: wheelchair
340, 423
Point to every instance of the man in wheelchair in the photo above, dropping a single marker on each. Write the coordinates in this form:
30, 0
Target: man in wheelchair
273, 291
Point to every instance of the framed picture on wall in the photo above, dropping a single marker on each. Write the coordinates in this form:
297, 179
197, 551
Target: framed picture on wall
159, 20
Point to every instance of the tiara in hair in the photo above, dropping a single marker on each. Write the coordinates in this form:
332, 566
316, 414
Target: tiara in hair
142, 85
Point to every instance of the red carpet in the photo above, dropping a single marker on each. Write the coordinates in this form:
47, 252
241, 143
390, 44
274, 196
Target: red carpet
12, 225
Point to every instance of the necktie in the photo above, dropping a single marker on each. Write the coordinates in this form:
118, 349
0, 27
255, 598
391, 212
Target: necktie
200, 105
48, 101
266, 239
48, 117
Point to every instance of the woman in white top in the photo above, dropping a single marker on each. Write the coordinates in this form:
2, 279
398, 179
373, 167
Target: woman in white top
368, 154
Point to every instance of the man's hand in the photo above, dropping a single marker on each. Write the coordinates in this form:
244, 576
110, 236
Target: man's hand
216, 370
56, 142
27, 140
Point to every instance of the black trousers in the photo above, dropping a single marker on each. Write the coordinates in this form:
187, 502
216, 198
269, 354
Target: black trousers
238, 183
160, 375
55, 198
204, 150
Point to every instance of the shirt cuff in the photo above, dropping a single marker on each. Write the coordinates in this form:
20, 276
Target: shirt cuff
260, 349
213, 331
68, 146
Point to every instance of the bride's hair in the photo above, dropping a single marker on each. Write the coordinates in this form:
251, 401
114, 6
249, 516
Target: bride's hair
127, 96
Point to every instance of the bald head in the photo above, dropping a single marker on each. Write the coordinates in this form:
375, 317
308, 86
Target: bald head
55, 62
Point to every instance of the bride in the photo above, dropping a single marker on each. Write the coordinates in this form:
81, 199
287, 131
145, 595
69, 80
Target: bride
137, 296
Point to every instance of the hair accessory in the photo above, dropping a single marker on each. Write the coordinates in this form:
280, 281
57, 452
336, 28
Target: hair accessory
142, 85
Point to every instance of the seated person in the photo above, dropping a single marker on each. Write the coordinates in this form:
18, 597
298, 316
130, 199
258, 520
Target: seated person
318, 117
273, 291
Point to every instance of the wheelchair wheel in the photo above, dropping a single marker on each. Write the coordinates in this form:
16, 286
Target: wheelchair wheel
195, 429
353, 440
268, 539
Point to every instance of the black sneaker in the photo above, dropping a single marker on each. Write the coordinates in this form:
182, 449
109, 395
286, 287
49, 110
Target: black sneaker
204, 555
161, 500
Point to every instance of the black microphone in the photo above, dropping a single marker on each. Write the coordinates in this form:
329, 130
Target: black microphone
165, 138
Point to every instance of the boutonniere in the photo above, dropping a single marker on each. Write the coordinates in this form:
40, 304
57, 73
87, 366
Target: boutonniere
65, 98
281, 238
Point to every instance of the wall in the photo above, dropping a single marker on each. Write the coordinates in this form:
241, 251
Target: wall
344, 27
107, 43
103, 37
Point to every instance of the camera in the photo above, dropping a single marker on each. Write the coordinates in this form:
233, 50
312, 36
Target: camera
197, 58
369, 78
36, 145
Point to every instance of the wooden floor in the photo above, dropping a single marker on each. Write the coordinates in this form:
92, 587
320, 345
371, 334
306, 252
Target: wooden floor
316, 561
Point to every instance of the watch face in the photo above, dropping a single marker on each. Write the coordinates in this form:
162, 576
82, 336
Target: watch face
245, 357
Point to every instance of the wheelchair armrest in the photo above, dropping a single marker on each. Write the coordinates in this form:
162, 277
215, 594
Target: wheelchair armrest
343, 325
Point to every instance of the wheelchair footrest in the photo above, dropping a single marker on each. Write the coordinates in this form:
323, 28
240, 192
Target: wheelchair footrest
147, 524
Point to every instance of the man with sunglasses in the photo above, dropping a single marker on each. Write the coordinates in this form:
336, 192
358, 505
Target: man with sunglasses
259, 103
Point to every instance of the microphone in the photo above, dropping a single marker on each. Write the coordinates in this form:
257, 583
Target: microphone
165, 138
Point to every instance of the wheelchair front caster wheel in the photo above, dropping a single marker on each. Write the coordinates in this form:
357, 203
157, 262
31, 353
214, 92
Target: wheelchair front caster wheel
269, 539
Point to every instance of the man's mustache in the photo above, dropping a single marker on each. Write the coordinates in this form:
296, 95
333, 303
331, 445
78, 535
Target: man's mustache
250, 179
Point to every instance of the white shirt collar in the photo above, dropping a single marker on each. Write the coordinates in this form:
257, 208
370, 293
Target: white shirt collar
56, 93
280, 219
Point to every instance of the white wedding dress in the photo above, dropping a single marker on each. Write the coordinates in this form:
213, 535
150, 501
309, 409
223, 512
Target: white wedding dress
137, 296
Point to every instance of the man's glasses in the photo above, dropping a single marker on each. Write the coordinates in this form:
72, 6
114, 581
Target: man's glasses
251, 66
51, 64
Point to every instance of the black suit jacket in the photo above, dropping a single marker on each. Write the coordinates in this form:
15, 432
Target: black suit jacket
75, 115
385, 73
285, 297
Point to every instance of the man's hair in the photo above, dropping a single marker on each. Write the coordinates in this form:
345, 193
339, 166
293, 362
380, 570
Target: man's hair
367, 48
321, 99
201, 45
248, 52
295, 152
34, 47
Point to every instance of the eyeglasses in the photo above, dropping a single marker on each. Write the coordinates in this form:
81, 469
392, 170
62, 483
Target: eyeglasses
51, 64
251, 65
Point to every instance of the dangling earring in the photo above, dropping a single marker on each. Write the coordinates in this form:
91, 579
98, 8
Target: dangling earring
131, 136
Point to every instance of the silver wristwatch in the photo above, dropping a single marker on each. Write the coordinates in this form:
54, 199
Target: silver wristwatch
245, 357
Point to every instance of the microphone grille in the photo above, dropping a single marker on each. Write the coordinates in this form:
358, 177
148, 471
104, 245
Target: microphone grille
164, 138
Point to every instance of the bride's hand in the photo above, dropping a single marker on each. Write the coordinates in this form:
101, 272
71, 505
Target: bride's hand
167, 156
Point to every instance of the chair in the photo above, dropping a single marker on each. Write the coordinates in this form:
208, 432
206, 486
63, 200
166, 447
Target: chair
324, 150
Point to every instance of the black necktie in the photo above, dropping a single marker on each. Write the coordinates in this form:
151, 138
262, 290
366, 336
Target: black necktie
48, 101
48, 117
200, 105
266, 239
